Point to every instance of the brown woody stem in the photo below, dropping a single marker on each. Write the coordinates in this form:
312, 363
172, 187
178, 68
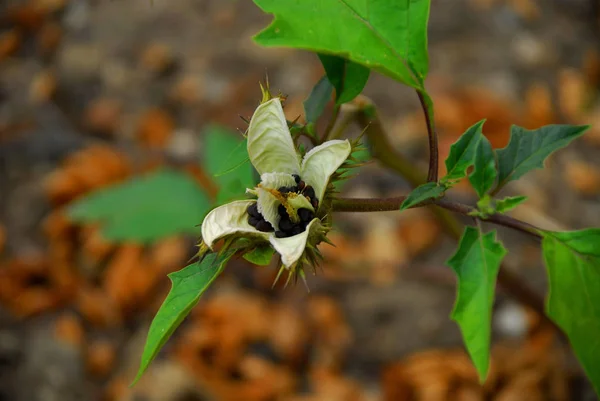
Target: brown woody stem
432, 175
390, 204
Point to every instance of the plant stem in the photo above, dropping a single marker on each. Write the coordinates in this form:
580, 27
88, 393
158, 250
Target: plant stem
432, 175
347, 119
332, 121
390, 204
366, 117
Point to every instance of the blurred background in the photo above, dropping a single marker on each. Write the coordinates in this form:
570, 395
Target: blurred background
97, 92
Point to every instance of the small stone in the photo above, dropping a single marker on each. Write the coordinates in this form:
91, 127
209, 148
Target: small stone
103, 116
155, 129
101, 358
264, 226
158, 59
49, 38
42, 87
9, 43
2, 238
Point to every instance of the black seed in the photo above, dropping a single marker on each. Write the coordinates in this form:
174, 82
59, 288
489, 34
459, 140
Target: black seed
253, 210
301, 186
253, 221
264, 226
309, 192
296, 178
297, 230
281, 211
284, 190
285, 224
280, 234
315, 203
305, 214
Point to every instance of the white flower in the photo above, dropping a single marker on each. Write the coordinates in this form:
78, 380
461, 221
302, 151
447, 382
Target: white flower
272, 152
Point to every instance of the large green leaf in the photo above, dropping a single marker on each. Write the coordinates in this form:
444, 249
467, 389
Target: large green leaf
573, 263
226, 160
429, 190
187, 285
389, 36
527, 149
476, 264
484, 174
462, 154
348, 78
145, 208
317, 100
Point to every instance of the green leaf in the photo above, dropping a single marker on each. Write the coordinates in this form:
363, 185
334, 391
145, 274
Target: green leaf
462, 154
509, 203
527, 149
573, 263
260, 256
187, 285
430, 190
484, 175
389, 36
476, 264
226, 160
348, 78
145, 208
317, 100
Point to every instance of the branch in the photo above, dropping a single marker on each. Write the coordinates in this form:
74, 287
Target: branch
432, 175
390, 204
366, 117
332, 121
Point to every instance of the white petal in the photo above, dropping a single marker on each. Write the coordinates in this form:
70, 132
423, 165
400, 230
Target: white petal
228, 219
322, 161
291, 248
267, 202
270, 144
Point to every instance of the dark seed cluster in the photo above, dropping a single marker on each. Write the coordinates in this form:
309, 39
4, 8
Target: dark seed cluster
287, 227
256, 220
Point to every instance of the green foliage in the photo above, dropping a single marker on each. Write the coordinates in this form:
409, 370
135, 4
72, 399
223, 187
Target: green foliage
260, 256
348, 78
527, 149
427, 191
146, 208
573, 263
476, 264
484, 174
389, 36
317, 100
188, 284
226, 160
462, 154
509, 203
